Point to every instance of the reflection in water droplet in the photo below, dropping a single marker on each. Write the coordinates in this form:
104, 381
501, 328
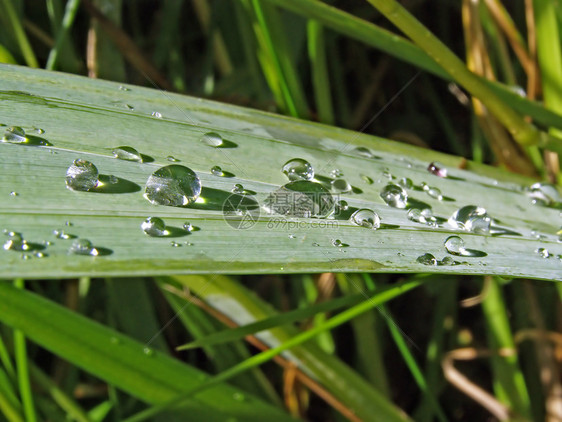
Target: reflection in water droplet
212, 139
156, 114
406, 183
61, 234
427, 259
544, 194
83, 247
82, 175
173, 185
127, 153
172, 159
298, 169
543, 252
154, 226
301, 198
394, 196
471, 218
15, 135
341, 186
15, 242
367, 218
435, 193
217, 171
367, 179
437, 169
455, 245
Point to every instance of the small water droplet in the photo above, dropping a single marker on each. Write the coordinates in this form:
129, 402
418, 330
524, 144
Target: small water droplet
341, 206
154, 227
175, 244
339, 244
148, 351
123, 88
82, 175
83, 247
435, 193
544, 194
61, 234
212, 139
315, 244
437, 169
341, 186
447, 261
292, 236
172, 159
26, 256
217, 171
68, 223
14, 193
367, 179
15, 242
386, 173
471, 218
427, 259
188, 227
416, 215
364, 152
47, 243
336, 173
156, 114
15, 135
455, 245
39, 131
173, 185
301, 198
367, 218
298, 169
127, 153
543, 252
39, 255
394, 196
406, 183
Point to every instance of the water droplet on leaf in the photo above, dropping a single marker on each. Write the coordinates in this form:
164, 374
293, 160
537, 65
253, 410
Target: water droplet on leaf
83, 247
172, 159
367, 218
455, 245
298, 169
336, 173
471, 218
173, 185
437, 169
217, 171
341, 186
406, 183
156, 114
427, 259
435, 193
301, 198
82, 175
543, 252
544, 194
367, 179
15, 242
127, 153
15, 135
154, 226
212, 139
394, 196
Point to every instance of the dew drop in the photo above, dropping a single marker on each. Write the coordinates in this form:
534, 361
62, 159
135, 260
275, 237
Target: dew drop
39, 131
156, 114
455, 245
364, 152
301, 198
447, 261
367, 218
341, 206
175, 244
16, 242
406, 183
212, 139
435, 193
39, 255
123, 88
394, 196
543, 252
238, 188
298, 169
14, 193
173, 185
366, 179
61, 234
336, 173
172, 159
544, 194
471, 218
427, 259
386, 173
315, 244
14, 135
154, 227
187, 227
416, 215
341, 186
437, 169
217, 171
82, 175
127, 153
339, 244
148, 351
26, 256
83, 247
292, 236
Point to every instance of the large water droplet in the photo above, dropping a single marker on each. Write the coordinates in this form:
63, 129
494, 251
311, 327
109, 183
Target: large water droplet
365, 217
341, 186
301, 198
364, 152
82, 175
394, 196
544, 194
173, 185
427, 259
212, 139
298, 169
455, 245
15, 135
437, 169
341, 206
154, 226
83, 247
471, 218
127, 153
16, 242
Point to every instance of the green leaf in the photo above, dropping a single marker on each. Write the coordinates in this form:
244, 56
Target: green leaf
86, 119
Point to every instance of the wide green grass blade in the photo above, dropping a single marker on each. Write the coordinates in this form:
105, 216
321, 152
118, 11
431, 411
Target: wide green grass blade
86, 119
150, 376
